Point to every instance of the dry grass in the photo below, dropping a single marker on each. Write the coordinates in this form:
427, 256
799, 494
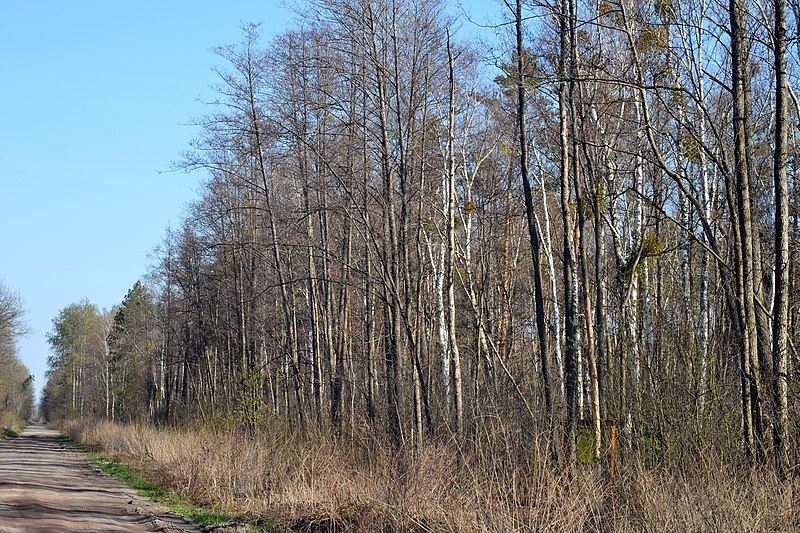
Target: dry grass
714, 496
312, 482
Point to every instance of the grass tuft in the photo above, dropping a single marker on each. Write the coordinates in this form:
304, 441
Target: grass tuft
10, 433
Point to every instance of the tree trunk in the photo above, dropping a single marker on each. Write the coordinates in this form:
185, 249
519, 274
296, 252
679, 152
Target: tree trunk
566, 116
533, 233
451, 255
750, 394
781, 295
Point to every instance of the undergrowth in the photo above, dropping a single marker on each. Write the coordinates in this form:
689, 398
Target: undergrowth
143, 482
316, 482
10, 424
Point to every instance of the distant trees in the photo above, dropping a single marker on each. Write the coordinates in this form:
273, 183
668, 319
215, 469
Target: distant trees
12, 324
375, 247
16, 381
106, 364
78, 379
135, 367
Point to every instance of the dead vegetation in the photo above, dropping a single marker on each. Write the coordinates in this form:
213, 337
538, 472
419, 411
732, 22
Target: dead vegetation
312, 482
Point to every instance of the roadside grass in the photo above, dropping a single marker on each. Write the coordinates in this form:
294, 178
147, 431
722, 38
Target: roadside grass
147, 487
9, 432
315, 482
10, 425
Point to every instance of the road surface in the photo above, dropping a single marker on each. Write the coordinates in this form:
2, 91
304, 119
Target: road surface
46, 486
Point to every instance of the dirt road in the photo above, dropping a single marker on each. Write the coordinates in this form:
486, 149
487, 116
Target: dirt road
46, 486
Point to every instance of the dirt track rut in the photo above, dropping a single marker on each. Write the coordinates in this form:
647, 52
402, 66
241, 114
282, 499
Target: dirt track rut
46, 486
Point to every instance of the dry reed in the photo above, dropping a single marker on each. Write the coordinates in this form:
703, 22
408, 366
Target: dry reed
313, 482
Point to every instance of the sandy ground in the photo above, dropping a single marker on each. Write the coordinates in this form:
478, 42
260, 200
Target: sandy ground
46, 486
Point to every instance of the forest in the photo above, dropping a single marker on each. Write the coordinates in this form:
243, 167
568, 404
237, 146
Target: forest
16, 382
539, 279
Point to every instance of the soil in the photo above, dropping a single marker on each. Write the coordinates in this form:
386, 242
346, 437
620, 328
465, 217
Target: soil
47, 486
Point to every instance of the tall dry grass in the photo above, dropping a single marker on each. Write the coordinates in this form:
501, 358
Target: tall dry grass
314, 482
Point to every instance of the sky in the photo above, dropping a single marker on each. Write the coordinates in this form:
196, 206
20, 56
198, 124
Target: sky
96, 103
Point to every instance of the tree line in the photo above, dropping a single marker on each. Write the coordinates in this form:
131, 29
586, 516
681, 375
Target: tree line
16, 381
586, 236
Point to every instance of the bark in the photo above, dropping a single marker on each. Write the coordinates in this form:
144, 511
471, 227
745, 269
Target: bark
591, 338
533, 232
458, 398
545, 236
781, 295
391, 252
566, 131
746, 283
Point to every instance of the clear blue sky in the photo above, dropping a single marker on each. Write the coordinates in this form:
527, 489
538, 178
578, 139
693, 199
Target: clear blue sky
95, 100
